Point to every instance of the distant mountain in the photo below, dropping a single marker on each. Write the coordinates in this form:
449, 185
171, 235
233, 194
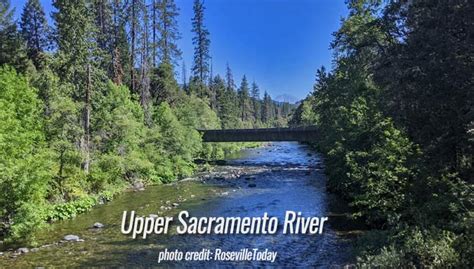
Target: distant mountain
286, 98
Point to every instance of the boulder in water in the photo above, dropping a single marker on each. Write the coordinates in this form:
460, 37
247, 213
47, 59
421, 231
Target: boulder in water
98, 225
73, 238
22, 250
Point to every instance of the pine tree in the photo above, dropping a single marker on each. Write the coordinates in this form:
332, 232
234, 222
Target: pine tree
201, 43
144, 86
244, 100
105, 32
183, 76
255, 94
12, 50
230, 85
35, 30
267, 108
134, 24
80, 66
120, 47
165, 13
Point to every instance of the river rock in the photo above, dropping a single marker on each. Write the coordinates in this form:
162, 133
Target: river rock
153, 216
175, 204
22, 250
252, 185
138, 186
72, 237
98, 225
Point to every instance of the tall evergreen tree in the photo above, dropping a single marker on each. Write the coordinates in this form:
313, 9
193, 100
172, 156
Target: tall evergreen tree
133, 25
166, 25
35, 30
105, 32
267, 108
120, 48
244, 99
144, 52
12, 50
255, 94
80, 62
230, 85
184, 77
201, 43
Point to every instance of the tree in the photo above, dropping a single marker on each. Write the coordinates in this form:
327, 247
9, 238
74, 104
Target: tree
105, 32
80, 61
164, 86
144, 86
255, 94
166, 25
230, 85
35, 30
120, 47
24, 159
201, 43
244, 100
267, 108
183, 76
12, 50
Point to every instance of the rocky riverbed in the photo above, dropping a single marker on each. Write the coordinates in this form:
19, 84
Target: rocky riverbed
272, 179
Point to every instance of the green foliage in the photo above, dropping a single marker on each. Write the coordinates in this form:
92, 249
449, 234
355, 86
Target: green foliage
70, 209
120, 131
397, 145
24, 162
418, 249
35, 30
12, 49
180, 143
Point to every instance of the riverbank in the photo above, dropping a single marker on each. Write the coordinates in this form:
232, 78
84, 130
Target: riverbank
273, 179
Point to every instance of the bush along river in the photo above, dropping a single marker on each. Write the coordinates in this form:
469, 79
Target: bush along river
273, 178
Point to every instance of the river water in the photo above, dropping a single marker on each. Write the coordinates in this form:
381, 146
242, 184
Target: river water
274, 178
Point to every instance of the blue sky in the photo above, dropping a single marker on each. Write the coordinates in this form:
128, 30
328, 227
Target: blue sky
277, 43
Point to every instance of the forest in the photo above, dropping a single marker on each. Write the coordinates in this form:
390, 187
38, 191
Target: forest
396, 118
90, 106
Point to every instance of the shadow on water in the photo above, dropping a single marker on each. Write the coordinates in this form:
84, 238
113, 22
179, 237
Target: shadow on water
273, 179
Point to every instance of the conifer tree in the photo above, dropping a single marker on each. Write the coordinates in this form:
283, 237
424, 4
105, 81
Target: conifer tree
80, 62
183, 76
230, 85
120, 47
255, 94
165, 13
201, 43
244, 100
267, 108
35, 30
12, 50
105, 34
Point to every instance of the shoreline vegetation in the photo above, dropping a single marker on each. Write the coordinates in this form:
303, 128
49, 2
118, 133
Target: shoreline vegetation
396, 122
91, 106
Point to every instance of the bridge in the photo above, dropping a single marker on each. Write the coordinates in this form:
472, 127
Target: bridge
301, 134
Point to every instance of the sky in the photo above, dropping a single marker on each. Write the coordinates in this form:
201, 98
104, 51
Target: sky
279, 44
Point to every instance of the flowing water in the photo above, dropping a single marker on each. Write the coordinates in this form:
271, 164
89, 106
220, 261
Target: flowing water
273, 179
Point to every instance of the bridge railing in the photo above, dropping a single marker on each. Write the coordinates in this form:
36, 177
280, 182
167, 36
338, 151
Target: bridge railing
260, 135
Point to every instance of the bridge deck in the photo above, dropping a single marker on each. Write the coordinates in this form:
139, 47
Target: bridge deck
260, 135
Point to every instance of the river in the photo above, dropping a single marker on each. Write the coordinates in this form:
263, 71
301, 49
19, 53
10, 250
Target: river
274, 178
